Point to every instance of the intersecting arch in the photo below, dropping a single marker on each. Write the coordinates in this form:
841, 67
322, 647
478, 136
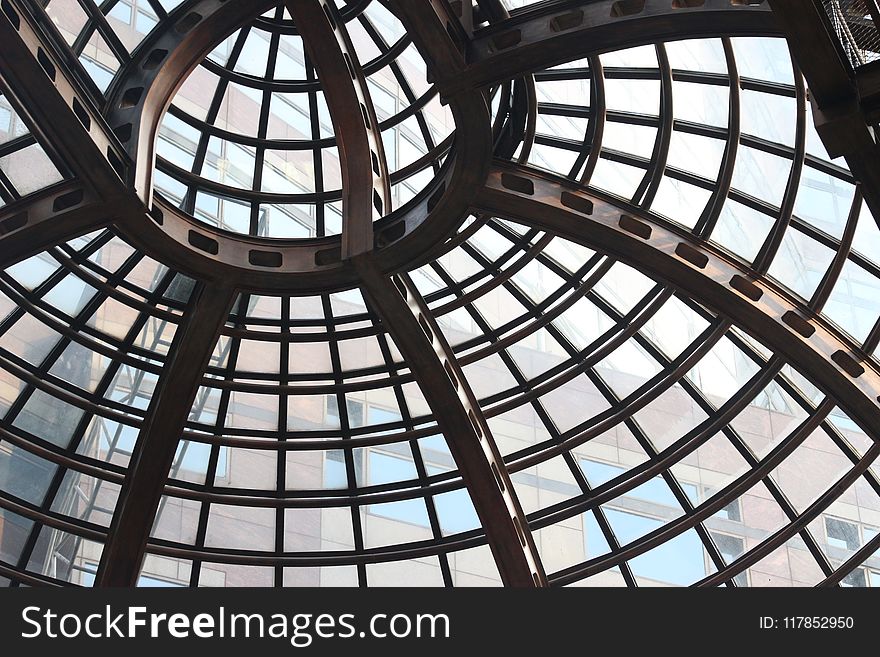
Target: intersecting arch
415, 235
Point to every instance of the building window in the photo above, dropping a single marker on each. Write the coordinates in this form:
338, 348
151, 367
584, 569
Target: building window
731, 548
87, 578
842, 534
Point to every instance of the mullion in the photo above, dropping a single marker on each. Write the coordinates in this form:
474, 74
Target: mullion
518, 244
780, 498
18, 143
93, 339
262, 131
99, 15
576, 288
583, 363
773, 241
634, 118
244, 195
98, 278
692, 440
563, 143
254, 82
81, 256
668, 477
494, 267
7, 190
738, 444
495, 270
281, 459
315, 123
705, 225
98, 341
647, 189
106, 381
91, 26
345, 426
224, 134
562, 74
560, 109
601, 520
623, 328
731, 492
526, 302
98, 23
158, 9
596, 127
114, 367
712, 335
189, 200
829, 280
214, 455
75, 325
402, 81
503, 229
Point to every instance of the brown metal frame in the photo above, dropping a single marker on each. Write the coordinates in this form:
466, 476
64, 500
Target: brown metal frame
407, 319
133, 518
112, 159
366, 193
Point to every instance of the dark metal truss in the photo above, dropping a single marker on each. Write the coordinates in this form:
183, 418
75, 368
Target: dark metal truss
844, 99
109, 150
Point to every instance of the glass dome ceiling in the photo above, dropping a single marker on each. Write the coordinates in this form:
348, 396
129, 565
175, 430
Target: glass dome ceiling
647, 437
248, 143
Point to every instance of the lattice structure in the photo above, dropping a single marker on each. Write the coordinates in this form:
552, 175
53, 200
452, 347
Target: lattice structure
367, 293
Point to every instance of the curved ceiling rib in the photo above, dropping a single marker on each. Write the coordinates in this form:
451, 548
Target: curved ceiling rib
407, 319
543, 201
40, 77
366, 193
561, 32
401, 308
159, 437
53, 215
37, 77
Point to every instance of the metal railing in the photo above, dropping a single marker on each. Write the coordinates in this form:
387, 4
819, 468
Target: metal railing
856, 22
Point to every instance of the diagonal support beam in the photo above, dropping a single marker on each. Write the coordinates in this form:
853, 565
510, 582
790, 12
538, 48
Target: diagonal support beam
38, 77
157, 443
437, 32
559, 32
366, 194
36, 74
49, 216
753, 302
408, 321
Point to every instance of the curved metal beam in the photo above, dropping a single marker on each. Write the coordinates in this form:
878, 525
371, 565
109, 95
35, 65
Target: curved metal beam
437, 32
563, 31
39, 77
407, 319
50, 216
366, 194
757, 305
159, 437
143, 90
